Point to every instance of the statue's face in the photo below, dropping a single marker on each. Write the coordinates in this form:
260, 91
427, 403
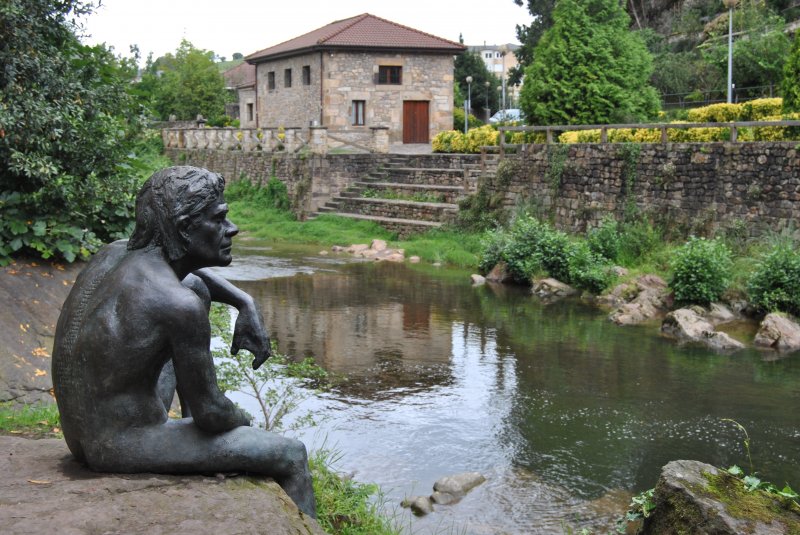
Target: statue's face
210, 238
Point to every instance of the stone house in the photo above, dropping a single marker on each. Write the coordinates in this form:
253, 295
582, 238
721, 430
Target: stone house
241, 80
353, 75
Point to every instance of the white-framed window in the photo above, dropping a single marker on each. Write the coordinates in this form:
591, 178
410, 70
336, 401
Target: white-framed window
357, 112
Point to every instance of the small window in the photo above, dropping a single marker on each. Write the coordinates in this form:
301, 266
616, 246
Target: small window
357, 115
488, 55
271, 80
287, 78
497, 54
390, 74
306, 74
250, 111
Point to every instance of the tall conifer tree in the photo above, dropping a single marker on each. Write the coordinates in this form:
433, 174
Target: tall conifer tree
589, 68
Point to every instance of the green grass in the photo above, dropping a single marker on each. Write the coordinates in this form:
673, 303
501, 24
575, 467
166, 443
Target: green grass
345, 506
445, 246
30, 420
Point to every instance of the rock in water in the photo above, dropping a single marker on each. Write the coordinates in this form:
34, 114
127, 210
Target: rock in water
778, 332
459, 484
687, 502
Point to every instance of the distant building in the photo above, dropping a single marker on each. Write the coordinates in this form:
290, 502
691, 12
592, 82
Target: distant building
499, 59
354, 74
241, 80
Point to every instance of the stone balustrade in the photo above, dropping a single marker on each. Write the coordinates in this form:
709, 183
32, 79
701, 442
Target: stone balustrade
289, 140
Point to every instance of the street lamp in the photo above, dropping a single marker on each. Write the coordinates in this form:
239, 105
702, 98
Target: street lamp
730, 4
467, 103
488, 106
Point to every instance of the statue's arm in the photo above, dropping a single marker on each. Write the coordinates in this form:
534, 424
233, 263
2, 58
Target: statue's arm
189, 334
249, 332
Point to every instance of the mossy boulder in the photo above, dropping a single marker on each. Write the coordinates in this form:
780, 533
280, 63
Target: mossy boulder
696, 498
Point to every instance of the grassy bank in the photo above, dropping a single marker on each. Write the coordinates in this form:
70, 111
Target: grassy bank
261, 213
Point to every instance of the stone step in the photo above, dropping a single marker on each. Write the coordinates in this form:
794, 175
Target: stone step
446, 194
398, 209
403, 227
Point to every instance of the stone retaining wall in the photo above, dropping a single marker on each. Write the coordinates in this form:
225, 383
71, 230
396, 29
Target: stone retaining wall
311, 179
418, 211
702, 188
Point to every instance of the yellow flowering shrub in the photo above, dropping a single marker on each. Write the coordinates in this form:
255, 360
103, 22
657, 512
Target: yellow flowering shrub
479, 137
716, 113
449, 141
519, 138
776, 133
761, 109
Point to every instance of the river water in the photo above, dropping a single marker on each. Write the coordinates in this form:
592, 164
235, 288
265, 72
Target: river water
565, 413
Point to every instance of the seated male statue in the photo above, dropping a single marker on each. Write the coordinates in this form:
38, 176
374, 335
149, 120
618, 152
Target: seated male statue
141, 307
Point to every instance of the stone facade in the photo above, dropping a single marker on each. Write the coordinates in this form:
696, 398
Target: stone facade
339, 78
701, 188
248, 113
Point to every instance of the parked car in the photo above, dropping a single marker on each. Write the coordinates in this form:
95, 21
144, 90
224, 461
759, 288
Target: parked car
509, 115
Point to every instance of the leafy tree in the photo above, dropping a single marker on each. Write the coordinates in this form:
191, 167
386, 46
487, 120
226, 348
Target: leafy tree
67, 128
760, 47
184, 84
790, 87
470, 64
589, 68
542, 12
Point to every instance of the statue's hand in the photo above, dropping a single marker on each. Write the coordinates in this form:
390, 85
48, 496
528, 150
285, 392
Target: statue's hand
249, 333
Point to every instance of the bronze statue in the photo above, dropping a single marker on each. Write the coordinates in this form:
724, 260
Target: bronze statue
140, 308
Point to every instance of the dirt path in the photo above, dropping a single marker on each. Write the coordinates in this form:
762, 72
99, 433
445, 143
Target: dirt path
31, 293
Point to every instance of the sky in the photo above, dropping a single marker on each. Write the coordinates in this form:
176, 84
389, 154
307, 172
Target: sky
246, 26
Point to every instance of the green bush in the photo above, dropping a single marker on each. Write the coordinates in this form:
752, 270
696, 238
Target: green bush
458, 120
588, 270
553, 251
701, 271
272, 195
637, 240
775, 285
521, 252
493, 246
605, 240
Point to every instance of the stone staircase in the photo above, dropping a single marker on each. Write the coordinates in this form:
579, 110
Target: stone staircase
410, 193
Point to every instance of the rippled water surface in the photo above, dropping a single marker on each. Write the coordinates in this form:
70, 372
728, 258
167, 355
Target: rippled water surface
565, 413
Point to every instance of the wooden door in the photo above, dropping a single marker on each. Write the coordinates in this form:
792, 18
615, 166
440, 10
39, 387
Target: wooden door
415, 121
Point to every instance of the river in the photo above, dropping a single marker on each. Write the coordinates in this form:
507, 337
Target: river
566, 414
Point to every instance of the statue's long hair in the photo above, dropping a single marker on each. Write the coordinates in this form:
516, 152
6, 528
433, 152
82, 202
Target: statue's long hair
167, 197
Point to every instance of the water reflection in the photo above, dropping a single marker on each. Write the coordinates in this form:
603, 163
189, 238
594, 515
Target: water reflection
565, 413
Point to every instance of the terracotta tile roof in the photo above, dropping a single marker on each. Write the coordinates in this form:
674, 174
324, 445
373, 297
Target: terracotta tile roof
243, 75
363, 31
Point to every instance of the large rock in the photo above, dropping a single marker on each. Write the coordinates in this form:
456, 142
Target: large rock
499, 273
644, 299
550, 288
43, 490
778, 332
459, 484
687, 503
688, 325
32, 293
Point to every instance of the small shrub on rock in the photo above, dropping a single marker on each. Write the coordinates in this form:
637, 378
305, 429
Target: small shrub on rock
494, 244
775, 285
587, 270
521, 253
701, 271
605, 240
